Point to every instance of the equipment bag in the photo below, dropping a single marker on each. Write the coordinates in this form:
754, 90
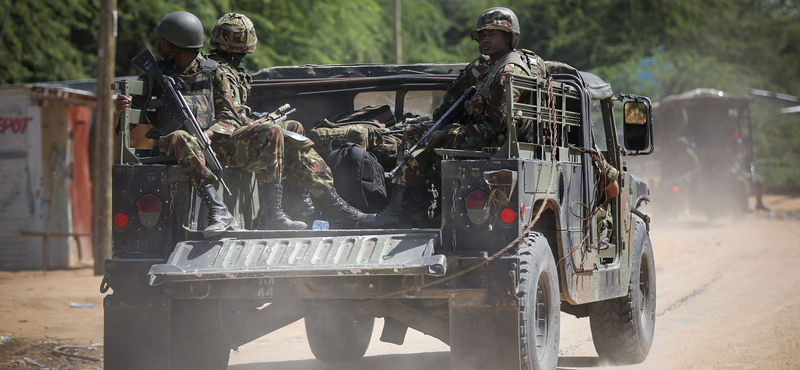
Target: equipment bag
359, 178
368, 128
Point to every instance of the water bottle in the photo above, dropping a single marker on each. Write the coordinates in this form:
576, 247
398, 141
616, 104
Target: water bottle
319, 225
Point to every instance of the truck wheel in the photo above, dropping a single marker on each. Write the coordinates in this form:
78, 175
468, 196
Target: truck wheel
338, 337
539, 305
198, 342
622, 328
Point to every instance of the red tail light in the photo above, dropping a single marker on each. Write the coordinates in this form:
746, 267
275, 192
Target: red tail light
477, 204
507, 215
121, 220
149, 209
676, 189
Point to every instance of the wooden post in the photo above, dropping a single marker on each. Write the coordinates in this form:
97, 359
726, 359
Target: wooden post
104, 139
398, 40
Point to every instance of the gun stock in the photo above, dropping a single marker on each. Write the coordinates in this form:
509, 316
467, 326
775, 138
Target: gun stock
275, 116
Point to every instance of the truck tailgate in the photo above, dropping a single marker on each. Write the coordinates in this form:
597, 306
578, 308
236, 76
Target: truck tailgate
304, 255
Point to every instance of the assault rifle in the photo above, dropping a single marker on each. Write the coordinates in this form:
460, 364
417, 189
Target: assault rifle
448, 117
275, 116
177, 113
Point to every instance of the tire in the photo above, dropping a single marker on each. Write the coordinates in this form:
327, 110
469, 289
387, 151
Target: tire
623, 328
338, 337
198, 342
540, 305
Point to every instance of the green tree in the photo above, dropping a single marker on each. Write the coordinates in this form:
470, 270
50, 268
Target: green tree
41, 40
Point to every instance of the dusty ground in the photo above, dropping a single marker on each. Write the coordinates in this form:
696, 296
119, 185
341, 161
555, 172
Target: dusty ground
728, 298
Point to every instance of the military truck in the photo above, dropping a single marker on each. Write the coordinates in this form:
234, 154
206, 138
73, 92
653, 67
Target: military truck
704, 161
516, 245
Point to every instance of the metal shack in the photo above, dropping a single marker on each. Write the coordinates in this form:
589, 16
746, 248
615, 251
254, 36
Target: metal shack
45, 186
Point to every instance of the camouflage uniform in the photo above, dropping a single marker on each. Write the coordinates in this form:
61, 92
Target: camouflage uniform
232, 38
483, 122
606, 175
305, 165
253, 148
485, 125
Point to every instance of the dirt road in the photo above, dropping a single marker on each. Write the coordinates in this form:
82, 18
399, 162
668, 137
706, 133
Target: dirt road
728, 298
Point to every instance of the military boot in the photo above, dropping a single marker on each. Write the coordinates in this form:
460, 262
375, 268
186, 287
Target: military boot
271, 215
297, 203
338, 212
219, 219
402, 212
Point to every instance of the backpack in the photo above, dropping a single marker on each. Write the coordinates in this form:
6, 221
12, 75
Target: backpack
358, 178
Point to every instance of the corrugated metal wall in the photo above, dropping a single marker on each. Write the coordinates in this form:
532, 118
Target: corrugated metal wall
20, 180
80, 189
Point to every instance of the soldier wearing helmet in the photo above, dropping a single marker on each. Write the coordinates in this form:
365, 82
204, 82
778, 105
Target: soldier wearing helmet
497, 33
238, 145
232, 38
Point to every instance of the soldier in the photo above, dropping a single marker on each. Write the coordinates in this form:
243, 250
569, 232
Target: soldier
253, 148
496, 32
232, 38
607, 188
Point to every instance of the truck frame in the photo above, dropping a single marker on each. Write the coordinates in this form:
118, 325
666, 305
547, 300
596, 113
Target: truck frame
518, 242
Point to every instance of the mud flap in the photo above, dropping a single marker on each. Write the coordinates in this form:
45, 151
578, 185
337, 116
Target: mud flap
137, 338
484, 338
136, 319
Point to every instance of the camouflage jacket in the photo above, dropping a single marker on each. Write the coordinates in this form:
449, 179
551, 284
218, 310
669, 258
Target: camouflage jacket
231, 87
195, 83
486, 124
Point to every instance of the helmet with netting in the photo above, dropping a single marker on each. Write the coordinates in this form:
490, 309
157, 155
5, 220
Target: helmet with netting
234, 33
181, 29
498, 18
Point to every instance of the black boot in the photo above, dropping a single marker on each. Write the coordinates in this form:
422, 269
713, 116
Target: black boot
338, 212
270, 214
297, 203
403, 211
219, 219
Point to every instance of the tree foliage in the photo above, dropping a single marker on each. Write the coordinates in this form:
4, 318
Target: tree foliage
656, 47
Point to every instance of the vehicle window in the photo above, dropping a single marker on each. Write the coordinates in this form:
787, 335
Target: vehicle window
598, 127
422, 103
375, 98
418, 102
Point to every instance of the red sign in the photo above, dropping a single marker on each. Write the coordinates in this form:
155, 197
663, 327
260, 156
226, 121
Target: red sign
14, 125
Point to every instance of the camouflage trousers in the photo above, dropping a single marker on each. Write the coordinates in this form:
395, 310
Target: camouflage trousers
308, 170
254, 148
418, 169
307, 167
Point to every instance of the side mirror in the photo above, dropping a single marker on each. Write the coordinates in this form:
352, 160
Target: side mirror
637, 126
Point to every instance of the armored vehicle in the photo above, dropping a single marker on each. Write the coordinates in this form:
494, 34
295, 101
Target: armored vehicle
517, 242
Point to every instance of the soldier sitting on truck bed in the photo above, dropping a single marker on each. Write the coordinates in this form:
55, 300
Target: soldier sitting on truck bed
496, 32
255, 148
232, 38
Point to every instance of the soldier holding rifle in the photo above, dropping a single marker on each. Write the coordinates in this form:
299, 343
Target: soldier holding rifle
482, 123
255, 148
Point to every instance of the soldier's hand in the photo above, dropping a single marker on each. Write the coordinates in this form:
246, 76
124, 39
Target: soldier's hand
436, 139
612, 190
123, 102
209, 135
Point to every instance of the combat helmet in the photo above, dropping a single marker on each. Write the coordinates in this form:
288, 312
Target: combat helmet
234, 33
498, 18
181, 29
